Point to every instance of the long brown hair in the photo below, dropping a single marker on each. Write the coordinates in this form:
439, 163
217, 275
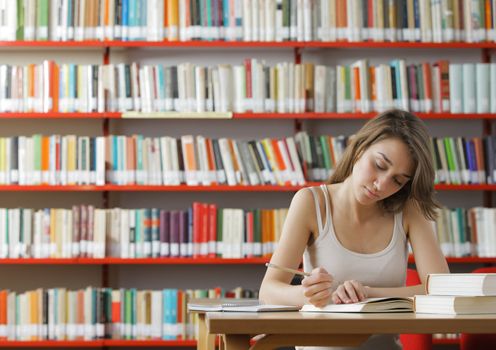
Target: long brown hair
412, 131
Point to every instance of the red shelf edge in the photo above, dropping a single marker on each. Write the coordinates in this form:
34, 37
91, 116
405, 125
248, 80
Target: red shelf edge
465, 187
60, 115
136, 261
137, 343
97, 343
242, 44
463, 260
191, 261
174, 261
52, 343
180, 188
213, 188
247, 115
353, 116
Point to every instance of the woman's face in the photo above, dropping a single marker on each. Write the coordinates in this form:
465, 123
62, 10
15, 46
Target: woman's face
382, 170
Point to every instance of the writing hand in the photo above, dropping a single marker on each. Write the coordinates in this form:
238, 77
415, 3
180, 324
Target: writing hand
317, 287
349, 292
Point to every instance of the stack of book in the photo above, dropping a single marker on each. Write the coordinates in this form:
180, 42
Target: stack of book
458, 294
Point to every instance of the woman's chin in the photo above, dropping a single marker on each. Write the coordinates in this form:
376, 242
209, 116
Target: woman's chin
366, 198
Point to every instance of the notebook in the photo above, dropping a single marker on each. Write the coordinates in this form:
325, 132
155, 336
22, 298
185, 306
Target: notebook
236, 305
371, 305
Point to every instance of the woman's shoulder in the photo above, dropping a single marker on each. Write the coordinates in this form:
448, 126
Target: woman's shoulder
306, 192
412, 214
322, 193
306, 197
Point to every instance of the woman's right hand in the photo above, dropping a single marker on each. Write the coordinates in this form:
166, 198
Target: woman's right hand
317, 287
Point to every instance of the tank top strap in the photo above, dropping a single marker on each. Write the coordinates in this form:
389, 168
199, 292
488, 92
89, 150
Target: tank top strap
317, 207
398, 226
327, 201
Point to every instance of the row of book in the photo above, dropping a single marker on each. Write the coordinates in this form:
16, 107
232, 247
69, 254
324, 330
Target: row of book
136, 159
249, 20
467, 232
251, 86
461, 160
441, 87
103, 313
203, 230
199, 160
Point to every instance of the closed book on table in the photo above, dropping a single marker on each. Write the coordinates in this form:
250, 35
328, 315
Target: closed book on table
454, 305
468, 284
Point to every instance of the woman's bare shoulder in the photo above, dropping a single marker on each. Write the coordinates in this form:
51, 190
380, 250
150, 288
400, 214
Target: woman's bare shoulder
303, 196
412, 214
303, 204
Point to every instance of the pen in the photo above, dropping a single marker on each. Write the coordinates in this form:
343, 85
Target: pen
287, 269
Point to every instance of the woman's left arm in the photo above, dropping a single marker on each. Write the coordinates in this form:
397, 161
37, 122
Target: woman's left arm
426, 250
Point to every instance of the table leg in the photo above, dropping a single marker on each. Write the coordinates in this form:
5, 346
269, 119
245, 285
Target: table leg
236, 342
206, 341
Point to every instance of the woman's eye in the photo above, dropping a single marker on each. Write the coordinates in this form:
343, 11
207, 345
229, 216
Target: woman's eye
398, 182
379, 166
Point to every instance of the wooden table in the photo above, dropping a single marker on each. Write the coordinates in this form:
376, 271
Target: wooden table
318, 329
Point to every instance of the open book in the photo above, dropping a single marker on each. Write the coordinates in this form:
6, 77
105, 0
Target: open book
371, 305
236, 305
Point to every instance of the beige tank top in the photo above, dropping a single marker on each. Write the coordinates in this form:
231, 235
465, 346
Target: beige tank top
386, 268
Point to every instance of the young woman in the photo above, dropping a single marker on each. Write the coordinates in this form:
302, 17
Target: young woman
353, 233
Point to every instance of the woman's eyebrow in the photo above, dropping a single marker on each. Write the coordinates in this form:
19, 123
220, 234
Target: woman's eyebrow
391, 163
385, 158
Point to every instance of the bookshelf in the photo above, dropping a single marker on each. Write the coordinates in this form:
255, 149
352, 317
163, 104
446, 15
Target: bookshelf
112, 271
107, 191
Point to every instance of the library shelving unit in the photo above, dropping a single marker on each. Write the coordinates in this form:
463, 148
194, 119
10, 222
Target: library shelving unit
298, 48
